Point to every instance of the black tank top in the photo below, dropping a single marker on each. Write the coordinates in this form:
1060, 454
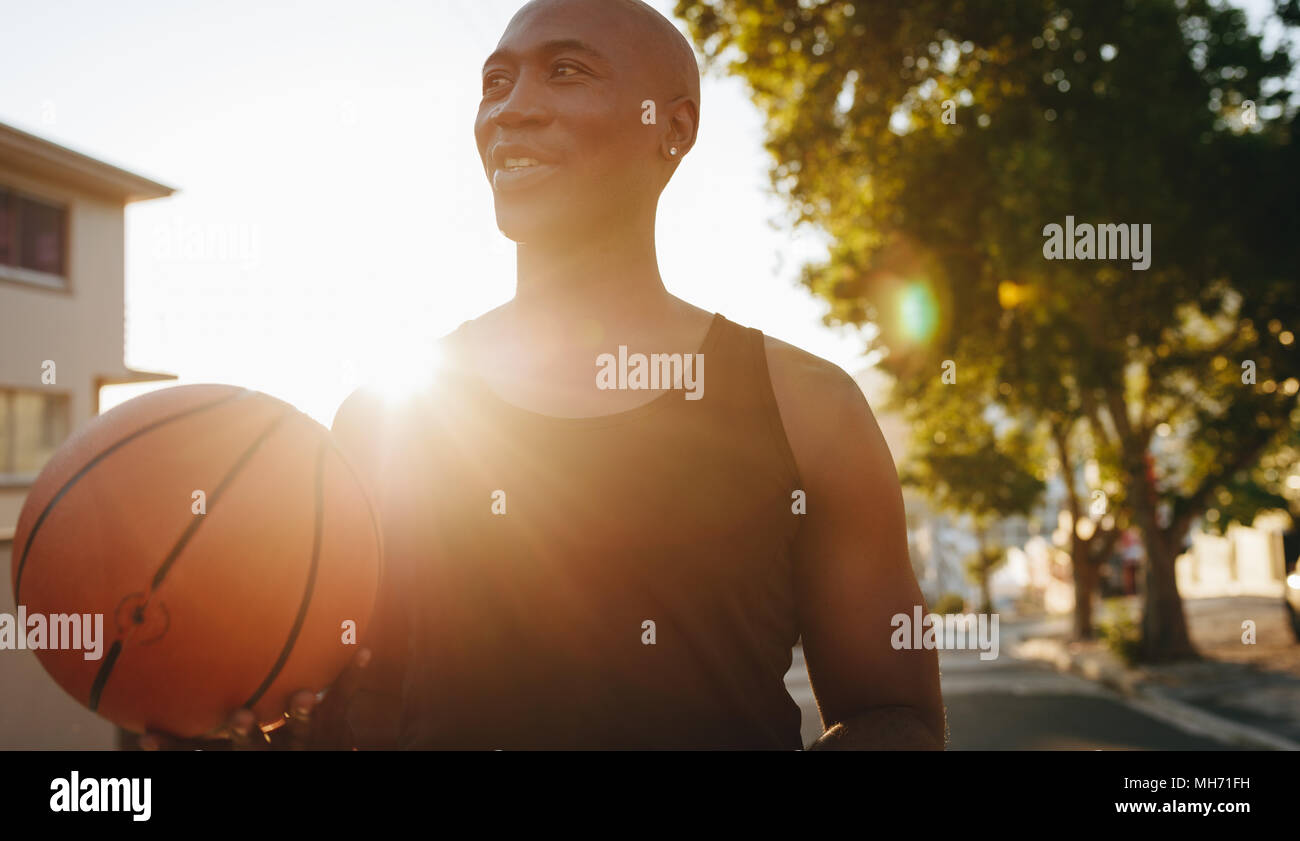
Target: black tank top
526, 569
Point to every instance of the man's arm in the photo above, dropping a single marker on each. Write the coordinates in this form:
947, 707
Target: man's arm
853, 573
364, 712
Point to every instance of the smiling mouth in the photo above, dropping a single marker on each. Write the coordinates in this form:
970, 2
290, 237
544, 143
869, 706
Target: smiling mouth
519, 172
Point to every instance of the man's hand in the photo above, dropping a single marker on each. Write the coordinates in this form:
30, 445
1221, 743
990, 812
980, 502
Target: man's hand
313, 720
884, 728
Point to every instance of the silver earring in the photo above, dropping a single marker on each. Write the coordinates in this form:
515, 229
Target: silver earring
672, 151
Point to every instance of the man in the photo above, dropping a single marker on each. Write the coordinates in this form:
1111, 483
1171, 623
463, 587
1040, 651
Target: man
570, 565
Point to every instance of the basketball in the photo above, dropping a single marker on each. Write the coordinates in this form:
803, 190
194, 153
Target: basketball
226, 545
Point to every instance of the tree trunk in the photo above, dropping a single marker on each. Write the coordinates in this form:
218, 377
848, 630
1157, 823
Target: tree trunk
1081, 568
982, 567
1164, 625
1085, 584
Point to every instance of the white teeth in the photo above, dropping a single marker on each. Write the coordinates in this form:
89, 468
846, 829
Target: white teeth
513, 164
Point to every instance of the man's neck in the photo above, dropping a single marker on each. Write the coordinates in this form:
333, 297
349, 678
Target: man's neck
573, 302
591, 285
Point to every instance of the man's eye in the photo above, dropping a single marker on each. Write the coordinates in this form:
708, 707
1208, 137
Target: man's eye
492, 83
561, 66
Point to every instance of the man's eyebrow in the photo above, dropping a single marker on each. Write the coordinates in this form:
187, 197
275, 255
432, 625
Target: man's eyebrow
554, 46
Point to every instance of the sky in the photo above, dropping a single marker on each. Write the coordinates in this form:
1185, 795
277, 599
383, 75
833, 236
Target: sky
332, 216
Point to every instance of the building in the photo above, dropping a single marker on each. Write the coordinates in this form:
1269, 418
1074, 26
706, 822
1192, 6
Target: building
1243, 561
62, 307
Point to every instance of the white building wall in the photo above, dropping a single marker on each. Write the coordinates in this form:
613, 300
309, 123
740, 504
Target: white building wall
81, 330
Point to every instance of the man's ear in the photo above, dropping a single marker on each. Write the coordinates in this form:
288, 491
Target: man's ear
681, 127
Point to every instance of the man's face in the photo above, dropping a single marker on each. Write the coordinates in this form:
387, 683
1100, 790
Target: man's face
559, 127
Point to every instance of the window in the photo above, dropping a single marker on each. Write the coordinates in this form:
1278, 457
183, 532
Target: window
32, 426
33, 239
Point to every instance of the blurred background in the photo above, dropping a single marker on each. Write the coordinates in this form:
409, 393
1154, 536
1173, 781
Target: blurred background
287, 196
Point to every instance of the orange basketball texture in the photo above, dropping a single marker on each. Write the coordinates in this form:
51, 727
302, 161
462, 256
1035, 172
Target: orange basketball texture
203, 613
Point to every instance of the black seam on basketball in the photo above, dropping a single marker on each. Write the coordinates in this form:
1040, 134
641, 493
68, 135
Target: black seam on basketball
311, 582
195, 522
105, 670
36, 527
101, 677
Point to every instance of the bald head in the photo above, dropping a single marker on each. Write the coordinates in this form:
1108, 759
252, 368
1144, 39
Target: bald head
662, 52
668, 47
588, 108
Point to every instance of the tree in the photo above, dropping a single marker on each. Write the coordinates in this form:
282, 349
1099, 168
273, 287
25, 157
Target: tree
981, 565
964, 464
934, 141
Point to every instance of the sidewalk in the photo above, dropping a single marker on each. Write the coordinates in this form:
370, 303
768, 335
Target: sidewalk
1244, 695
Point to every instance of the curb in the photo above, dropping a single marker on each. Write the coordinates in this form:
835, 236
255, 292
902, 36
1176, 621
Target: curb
1150, 700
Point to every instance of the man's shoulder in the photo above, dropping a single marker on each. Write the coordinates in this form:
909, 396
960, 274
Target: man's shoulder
389, 408
823, 409
805, 383
373, 403
370, 408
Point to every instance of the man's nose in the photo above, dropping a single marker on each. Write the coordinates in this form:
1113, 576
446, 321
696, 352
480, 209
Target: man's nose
527, 102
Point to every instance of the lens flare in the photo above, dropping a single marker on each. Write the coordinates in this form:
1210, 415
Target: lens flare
918, 311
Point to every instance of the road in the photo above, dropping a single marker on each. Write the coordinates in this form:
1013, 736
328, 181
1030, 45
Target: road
1011, 704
